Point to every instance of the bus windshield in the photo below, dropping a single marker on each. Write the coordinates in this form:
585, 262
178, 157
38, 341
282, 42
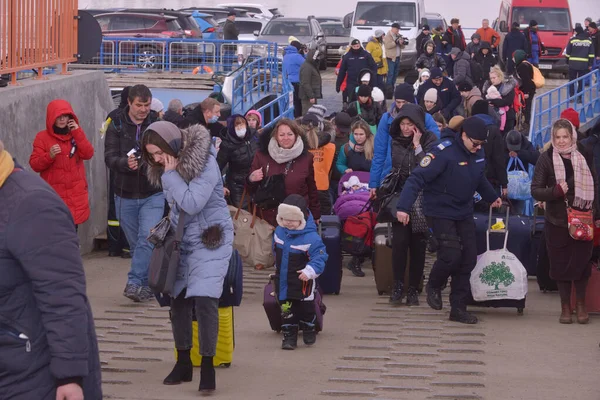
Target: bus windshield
385, 14
548, 19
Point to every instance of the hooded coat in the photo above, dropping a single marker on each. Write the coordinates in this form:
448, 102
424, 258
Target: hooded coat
494, 149
300, 178
447, 92
524, 73
237, 153
311, 84
430, 60
462, 69
46, 323
403, 149
64, 173
196, 187
292, 61
420, 42
472, 47
375, 47
487, 61
513, 41
370, 112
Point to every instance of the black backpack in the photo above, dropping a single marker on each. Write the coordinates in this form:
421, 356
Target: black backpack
476, 72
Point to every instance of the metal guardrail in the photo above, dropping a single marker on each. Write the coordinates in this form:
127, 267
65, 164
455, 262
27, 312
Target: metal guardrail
126, 54
37, 34
547, 106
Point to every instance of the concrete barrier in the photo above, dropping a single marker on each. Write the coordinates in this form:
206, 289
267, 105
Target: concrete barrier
24, 115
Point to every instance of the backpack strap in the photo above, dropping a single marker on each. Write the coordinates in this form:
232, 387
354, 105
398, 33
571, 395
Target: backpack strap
346, 149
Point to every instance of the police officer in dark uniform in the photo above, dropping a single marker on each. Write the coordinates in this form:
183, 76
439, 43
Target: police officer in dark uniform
449, 177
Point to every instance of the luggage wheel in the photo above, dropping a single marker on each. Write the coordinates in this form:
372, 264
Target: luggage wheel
337, 293
226, 365
520, 311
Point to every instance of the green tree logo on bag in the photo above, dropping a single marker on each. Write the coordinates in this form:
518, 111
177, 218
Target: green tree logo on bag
496, 274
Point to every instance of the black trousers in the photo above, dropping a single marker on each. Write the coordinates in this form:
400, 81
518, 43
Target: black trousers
528, 105
405, 242
297, 102
295, 311
456, 258
574, 74
117, 242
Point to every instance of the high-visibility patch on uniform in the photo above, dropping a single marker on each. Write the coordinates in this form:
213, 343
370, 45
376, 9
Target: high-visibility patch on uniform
425, 161
444, 144
463, 163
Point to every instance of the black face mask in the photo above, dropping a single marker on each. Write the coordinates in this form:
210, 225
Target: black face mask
61, 131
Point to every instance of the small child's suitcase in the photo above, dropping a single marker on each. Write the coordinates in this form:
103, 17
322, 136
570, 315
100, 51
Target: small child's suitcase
273, 310
225, 341
382, 259
330, 280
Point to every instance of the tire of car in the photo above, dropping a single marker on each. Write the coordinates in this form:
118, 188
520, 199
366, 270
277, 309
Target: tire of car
149, 57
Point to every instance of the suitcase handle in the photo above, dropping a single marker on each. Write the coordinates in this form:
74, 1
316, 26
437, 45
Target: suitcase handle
489, 230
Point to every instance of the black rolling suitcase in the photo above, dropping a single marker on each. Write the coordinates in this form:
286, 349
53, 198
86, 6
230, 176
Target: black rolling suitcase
540, 255
507, 303
330, 280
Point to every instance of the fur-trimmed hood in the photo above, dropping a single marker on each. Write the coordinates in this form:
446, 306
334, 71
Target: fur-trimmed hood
196, 147
504, 88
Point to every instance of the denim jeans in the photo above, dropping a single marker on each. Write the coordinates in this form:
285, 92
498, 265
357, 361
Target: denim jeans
393, 71
137, 217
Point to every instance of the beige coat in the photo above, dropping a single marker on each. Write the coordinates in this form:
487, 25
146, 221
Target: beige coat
389, 42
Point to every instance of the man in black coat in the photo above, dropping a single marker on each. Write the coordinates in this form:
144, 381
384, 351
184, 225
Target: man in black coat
353, 62
447, 92
422, 39
230, 32
513, 41
48, 347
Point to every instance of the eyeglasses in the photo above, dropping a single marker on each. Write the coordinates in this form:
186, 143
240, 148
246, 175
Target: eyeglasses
477, 144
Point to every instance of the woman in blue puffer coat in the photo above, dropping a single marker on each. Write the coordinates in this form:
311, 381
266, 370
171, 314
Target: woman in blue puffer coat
183, 163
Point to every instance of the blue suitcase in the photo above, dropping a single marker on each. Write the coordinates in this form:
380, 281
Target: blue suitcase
233, 283
330, 280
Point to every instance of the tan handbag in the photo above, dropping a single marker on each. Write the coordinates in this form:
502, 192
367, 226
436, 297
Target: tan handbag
253, 237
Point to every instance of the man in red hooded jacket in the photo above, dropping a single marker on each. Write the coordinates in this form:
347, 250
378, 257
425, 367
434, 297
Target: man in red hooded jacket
58, 155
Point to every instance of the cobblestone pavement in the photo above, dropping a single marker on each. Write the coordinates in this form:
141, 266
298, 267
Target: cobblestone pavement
368, 350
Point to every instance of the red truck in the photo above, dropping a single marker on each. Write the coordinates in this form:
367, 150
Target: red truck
554, 26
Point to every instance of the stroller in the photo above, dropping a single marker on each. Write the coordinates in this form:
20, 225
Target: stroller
351, 204
358, 222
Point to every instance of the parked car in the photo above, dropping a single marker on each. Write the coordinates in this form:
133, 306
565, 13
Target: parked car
434, 20
209, 26
96, 11
307, 30
329, 19
246, 26
255, 10
218, 12
337, 37
185, 19
143, 53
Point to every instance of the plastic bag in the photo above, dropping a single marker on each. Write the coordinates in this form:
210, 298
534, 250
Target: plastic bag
519, 182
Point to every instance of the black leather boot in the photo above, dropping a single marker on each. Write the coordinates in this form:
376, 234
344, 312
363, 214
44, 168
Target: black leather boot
207, 375
434, 297
397, 293
290, 337
354, 266
182, 371
412, 297
462, 316
309, 332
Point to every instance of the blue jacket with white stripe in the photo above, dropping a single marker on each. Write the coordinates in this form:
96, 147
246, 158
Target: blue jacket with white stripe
298, 250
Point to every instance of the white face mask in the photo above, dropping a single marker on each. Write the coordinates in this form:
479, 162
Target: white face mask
241, 132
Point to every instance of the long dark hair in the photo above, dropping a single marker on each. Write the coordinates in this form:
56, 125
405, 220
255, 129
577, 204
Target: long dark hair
152, 137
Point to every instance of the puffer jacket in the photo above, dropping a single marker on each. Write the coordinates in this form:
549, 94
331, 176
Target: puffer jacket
196, 188
375, 47
545, 188
300, 178
473, 97
507, 90
472, 47
237, 154
47, 334
311, 84
297, 250
371, 113
430, 60
404, 157
121, 137
462, 69
292, 61
64, 173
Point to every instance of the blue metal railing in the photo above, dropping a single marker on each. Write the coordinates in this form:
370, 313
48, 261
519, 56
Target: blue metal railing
127, 54
547, 106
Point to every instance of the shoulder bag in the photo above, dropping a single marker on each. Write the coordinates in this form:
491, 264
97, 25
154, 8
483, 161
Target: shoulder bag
271, 190
580, 223
164, 263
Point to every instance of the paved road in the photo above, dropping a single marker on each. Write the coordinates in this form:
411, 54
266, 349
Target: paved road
368, 349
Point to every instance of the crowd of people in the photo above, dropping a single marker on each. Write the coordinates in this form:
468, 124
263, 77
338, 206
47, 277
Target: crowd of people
448, 136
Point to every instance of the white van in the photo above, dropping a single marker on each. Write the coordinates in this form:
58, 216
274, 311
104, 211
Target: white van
371, 15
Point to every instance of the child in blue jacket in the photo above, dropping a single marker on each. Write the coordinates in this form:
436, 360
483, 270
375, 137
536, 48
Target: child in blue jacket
300, 258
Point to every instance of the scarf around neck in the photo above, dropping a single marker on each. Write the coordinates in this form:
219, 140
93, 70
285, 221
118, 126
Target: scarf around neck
281, 155
7, 165
584, 182
358, 148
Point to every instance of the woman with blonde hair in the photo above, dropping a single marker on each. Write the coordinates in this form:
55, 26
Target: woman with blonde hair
357, 154
564, 179
506, 87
